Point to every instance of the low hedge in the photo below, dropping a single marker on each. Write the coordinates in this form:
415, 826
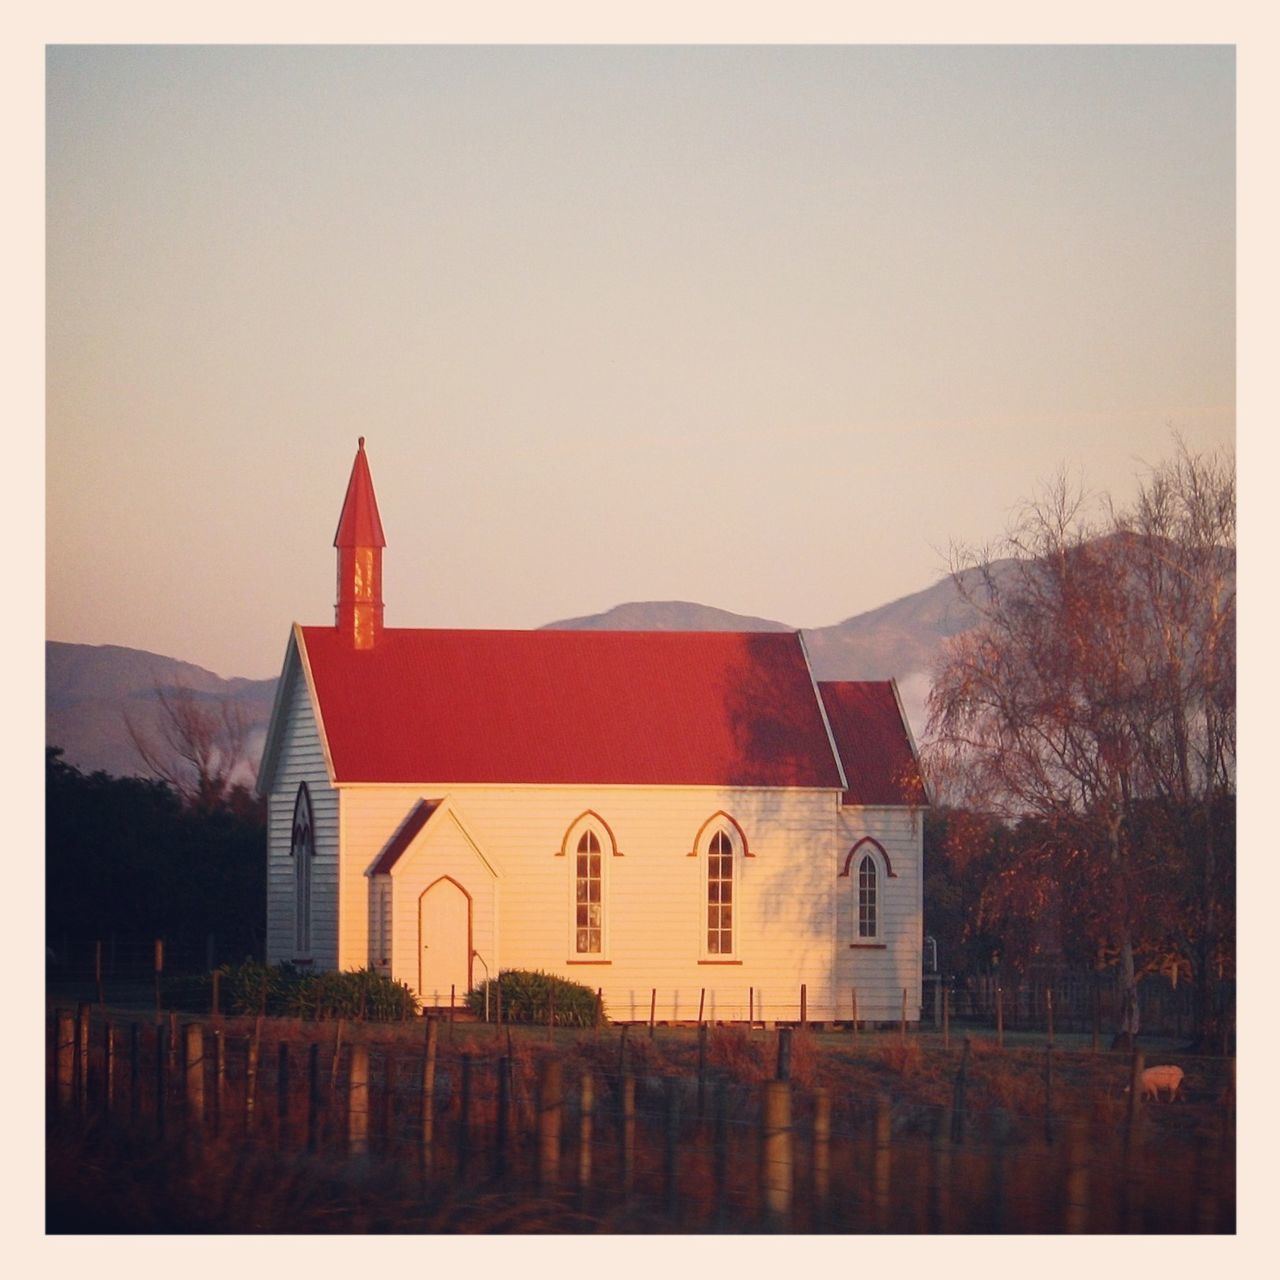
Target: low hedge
527, 997
287, 991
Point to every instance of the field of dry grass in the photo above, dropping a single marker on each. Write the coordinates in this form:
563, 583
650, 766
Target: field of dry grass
922, 1137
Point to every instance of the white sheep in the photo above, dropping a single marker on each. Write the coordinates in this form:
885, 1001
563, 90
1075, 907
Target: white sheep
1156, 1078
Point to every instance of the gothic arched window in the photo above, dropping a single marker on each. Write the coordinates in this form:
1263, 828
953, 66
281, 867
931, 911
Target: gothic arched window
302, 849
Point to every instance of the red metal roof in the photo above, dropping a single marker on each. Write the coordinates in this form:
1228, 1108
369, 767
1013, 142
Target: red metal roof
874, 745
403, 838
598, 707
359, 525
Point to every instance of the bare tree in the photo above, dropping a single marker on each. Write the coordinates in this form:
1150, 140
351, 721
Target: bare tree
197, 744
1181, 548
1100, 677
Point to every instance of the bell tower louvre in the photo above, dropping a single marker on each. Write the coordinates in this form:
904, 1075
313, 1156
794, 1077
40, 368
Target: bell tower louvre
359, 540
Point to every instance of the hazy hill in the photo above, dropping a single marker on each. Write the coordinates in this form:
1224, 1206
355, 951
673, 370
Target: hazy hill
900, 640
89, 689
666, 615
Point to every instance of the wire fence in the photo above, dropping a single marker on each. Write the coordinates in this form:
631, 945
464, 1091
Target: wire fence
593, 1139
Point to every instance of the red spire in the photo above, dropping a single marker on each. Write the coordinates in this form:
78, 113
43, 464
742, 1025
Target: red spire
359, 525
358, 615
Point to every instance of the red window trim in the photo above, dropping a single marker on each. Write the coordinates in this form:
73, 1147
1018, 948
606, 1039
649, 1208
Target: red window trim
875, 844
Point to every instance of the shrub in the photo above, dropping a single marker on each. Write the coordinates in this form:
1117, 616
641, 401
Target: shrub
286, 991
527, 996
356, 993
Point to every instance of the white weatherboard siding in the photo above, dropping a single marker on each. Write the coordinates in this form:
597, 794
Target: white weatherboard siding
655, 909
881, 975
301, 759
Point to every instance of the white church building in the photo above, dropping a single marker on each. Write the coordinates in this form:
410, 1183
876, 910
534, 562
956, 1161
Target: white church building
690, 813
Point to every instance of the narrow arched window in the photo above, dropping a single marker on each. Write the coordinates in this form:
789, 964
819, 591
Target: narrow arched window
868, 905
720, 895
302, 849
588, 897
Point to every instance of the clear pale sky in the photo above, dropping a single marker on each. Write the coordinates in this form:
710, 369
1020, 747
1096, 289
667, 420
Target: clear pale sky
761, 327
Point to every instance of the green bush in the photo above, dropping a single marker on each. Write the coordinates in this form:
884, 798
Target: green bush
287, 991
357, 993
526, 997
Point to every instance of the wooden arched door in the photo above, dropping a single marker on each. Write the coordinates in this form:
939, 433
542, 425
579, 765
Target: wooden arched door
444, 942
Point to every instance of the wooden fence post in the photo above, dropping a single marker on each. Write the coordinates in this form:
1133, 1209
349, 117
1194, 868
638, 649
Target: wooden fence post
599, 1018
215, 1002
702, 1002
389, 1113
883, 1136
996, 1195
999, 1017
333, 1064
313, 1094
453, 992
162, 1076
193, 1069
1134, 1119
784, 1054
358, 1100
282, 1094
1208, 1170
940, 1222
108, 1067
83, 1019
670, 1164
427, 1110
464, 1117
250, 1082
720, 1151
821, 1152
219, 1078
653, 1005
158, 964
622, 1049
957, 1103
1048, 1093
585, 1117
804, 1005
1133, 1148
1097, 1012
135, 1071
549, 1112
751, 1008
502, 1138
702, 1067
628, 1132
65, 1059
777, 1173
1077, 1209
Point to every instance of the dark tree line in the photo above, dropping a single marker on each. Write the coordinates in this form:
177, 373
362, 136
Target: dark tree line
1017, 894
130, 857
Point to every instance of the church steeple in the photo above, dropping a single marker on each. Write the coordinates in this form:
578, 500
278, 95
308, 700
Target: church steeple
358, 615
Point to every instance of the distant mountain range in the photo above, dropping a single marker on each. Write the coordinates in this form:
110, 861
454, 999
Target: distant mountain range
90, 689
